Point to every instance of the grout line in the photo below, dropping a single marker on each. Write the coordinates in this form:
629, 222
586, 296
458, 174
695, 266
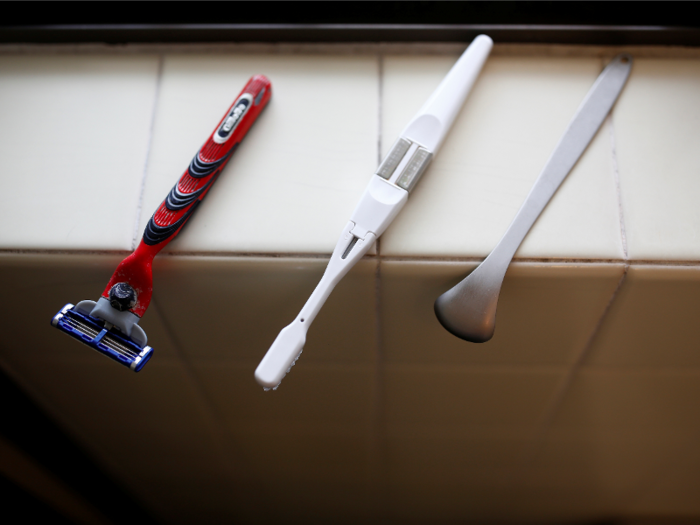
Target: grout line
556, 260
565, 385
384, 258
557, 399
210, 413
616, 177
580, 359
377, 468
380, 108
139, 204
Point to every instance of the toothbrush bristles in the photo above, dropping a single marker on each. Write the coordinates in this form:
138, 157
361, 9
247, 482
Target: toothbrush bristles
267, 389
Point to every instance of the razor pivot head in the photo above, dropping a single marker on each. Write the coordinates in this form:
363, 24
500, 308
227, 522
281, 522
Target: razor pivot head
110, 342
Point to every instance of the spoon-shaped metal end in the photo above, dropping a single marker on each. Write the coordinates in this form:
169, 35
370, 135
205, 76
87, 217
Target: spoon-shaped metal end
468, 310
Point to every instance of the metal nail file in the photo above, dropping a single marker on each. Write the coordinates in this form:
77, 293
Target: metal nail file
468, 310
384, 197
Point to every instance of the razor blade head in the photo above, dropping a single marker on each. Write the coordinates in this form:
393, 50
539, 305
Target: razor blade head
109, 342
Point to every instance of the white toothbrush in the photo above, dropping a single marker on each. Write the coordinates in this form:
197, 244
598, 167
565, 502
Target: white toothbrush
384, 197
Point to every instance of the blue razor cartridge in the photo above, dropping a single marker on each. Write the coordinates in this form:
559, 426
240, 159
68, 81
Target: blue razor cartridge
110, 342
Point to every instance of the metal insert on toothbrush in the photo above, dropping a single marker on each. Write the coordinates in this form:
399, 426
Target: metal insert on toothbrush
110, 325
384, 197
468, 310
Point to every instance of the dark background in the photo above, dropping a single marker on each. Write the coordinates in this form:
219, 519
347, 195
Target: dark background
367, 12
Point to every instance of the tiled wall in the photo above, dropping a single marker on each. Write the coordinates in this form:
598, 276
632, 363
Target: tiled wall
585, 403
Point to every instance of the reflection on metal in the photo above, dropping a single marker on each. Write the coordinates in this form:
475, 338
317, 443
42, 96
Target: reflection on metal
414, 169
392, 160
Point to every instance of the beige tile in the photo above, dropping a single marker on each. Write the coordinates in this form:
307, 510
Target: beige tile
657, 403
546, 313
454, 397
233, 308
294, 182
653, 321
509, 126
74, 138
39, 285
656, 133
312, 394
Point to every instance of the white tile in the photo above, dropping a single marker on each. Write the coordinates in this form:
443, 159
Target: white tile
509, 126
653, 321
73, 140
297, 176
656, 134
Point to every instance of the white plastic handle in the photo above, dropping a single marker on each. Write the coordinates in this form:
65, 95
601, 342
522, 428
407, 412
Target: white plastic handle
381, 202
430, 126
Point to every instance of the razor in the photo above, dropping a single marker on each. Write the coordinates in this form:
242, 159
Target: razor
110, 325
382, 200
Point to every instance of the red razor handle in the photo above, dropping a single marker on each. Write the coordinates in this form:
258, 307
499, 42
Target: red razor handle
183, 199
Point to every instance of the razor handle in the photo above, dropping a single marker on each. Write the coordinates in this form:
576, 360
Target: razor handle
185, 196
110, 325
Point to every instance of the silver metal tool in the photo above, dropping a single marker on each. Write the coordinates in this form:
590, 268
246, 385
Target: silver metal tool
468, 310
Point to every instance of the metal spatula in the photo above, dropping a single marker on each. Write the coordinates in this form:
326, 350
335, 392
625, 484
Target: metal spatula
468, 310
